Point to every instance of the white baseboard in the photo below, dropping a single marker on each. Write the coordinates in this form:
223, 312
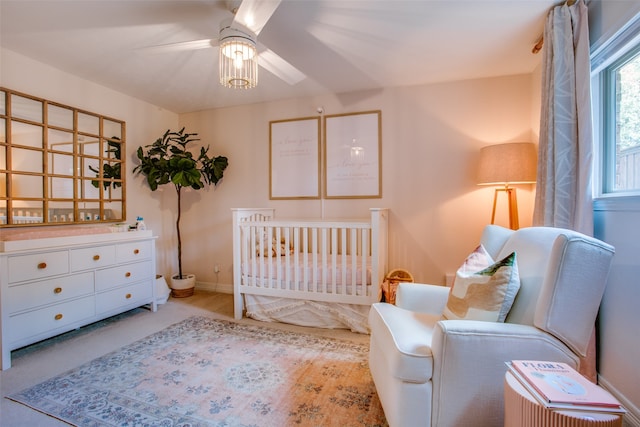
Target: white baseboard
223, 288
632, 417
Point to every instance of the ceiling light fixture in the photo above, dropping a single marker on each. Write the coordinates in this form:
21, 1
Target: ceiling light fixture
238, 59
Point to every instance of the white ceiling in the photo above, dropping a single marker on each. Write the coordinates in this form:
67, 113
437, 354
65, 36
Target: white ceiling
341, 46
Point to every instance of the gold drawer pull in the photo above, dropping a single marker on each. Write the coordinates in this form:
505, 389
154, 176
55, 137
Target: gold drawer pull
58, 316
42, 265
127, 274
57, 290
136, 251
96, 257
128, 296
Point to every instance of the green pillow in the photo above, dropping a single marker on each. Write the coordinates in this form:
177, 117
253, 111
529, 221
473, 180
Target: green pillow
486, 294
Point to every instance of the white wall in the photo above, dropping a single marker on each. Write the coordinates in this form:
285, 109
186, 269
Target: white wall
145, 122
619, 348
431, 137
616, 222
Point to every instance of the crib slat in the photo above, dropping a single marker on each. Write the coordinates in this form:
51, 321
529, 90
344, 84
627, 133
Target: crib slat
245, 237
275, 278
314, 252
287, 259
254, 264
266, 257
324, 259
262, 267
343, 261
296, 259
354, 261
334, 256
365, 250
305, 245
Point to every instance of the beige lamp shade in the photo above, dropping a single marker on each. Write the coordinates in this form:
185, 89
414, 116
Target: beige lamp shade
511, 163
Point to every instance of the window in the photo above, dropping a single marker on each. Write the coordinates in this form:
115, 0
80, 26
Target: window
622, 124
616, 104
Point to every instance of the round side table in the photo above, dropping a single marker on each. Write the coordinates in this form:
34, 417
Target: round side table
521, 409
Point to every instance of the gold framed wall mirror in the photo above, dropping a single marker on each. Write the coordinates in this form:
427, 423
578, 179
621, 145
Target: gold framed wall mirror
59, 164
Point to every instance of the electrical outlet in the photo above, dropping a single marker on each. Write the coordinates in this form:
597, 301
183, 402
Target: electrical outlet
216, 268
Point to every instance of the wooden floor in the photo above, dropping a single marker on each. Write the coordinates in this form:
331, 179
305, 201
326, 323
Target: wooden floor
38, 362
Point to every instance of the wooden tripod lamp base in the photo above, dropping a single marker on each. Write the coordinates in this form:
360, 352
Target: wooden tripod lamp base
513, 206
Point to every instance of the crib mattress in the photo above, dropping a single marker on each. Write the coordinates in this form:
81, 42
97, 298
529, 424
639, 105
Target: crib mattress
306, 272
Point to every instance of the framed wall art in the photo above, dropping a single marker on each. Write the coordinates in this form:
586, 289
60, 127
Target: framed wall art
294, 160
353, 147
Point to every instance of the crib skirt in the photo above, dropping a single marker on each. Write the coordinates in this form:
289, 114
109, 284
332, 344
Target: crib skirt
300, 312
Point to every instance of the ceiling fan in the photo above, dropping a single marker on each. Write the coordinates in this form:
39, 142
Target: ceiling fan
250, 17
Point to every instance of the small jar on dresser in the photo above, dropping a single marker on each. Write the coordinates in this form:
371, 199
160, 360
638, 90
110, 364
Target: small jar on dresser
52, 285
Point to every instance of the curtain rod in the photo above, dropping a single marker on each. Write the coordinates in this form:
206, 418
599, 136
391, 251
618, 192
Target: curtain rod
538, 46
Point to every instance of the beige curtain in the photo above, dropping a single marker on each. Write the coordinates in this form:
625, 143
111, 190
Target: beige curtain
563, 192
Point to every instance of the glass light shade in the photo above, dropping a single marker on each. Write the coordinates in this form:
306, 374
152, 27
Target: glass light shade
510, 163
238, 63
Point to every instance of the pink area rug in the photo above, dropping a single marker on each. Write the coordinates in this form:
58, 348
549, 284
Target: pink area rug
205, 372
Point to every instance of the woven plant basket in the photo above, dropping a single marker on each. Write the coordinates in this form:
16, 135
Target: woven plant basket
390, 284
181, 288
182, 293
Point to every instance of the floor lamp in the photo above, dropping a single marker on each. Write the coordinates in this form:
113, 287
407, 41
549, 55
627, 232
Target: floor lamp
505, 165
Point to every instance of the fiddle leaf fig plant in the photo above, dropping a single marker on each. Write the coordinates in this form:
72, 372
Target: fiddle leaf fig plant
169, 160
110, 172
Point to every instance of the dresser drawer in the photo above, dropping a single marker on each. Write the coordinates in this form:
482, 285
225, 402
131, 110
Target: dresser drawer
134, 251
37, 266
136, 294
34, 294
50, 287
32, 323
95, 257
121, 275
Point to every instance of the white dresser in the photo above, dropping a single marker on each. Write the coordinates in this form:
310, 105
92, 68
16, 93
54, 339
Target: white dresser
53, 285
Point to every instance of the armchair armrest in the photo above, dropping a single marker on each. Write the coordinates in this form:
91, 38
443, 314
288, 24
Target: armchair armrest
469, 364
422, 298
493, 343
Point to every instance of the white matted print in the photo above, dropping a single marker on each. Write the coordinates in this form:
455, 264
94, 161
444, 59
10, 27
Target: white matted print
294, 160
353, 165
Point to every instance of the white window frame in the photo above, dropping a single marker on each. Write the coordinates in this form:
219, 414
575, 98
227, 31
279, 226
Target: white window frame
620, 46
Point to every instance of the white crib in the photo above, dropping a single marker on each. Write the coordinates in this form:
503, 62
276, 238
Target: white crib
322, 273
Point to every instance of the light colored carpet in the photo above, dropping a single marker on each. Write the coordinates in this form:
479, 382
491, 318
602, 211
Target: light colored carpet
206, 372
53, 357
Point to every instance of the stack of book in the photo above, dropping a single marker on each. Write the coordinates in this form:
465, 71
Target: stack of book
558, 386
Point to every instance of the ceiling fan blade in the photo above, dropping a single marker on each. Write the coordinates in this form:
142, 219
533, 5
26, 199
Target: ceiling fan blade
181, 46
254, 14
279, 67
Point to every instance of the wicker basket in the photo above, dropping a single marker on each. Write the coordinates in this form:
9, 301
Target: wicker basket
182, 293
184, 287
390, 284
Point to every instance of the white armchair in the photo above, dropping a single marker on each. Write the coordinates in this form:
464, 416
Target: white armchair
450, 373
